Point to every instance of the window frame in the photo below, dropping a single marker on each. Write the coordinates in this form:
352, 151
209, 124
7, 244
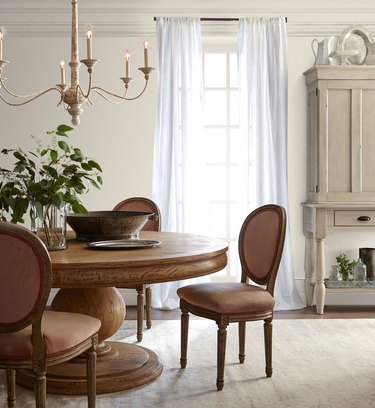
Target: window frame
231, 272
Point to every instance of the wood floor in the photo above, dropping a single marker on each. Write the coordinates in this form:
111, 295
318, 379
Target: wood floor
330, 312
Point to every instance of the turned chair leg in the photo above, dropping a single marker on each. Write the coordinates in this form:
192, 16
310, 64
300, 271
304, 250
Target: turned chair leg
140, 312
241, 338
268, 346
11, 386
40, 388
221, 345
148, 308
90, 373
184, 337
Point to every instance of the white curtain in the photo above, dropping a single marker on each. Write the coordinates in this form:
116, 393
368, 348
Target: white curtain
178, 187
262, 58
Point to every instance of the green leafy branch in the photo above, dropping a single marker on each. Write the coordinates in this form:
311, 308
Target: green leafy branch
51, 175
346, 266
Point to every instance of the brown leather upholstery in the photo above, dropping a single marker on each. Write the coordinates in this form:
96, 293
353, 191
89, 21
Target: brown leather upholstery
31, 338
59, 340
260, 244
142, 204
22, 260
230, 298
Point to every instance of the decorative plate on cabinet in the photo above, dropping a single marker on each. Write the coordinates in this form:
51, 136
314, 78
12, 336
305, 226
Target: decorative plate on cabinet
355, 37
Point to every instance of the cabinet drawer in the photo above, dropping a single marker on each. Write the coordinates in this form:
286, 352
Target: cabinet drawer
354, 218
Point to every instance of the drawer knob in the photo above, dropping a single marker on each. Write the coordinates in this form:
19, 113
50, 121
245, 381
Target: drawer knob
364, 218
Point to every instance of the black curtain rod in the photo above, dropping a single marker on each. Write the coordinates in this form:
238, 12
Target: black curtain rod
221, 19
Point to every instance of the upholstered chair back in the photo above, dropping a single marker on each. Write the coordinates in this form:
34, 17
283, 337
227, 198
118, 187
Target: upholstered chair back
260, 245
25, 276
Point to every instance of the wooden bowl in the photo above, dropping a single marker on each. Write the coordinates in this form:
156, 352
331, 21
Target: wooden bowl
108, 225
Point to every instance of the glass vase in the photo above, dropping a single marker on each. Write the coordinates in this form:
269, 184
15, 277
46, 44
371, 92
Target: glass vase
335, 275
49, 224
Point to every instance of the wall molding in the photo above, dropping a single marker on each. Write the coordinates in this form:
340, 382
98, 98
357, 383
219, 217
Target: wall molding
131, 18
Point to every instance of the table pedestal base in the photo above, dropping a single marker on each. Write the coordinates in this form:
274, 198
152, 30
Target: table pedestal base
122, 367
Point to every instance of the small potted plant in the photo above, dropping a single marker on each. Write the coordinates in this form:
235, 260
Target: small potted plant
346, 266
44, 182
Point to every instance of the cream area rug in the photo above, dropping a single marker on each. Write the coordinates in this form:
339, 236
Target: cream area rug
316, 363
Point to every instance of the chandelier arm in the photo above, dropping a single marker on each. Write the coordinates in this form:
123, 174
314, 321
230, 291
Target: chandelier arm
86, 95
140, 94
123, 98
89, 101
61, 102
100, 91
80, 92
35, 96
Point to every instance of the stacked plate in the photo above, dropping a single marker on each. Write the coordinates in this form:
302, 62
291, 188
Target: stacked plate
352, 46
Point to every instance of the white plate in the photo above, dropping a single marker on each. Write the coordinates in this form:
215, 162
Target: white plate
355, 37
341, 57
124, 244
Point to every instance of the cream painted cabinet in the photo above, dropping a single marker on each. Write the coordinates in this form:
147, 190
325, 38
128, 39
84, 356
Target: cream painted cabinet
340, 161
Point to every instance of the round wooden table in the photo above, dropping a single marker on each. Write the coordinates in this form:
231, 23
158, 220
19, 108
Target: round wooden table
88, 279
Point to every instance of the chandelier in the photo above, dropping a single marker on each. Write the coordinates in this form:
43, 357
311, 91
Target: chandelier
72, 96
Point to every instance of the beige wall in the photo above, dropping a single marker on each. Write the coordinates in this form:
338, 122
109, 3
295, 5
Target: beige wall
121, 137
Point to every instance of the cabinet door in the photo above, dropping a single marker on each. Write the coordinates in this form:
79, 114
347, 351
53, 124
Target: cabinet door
339, 147
368, 141
312, 144
346, 145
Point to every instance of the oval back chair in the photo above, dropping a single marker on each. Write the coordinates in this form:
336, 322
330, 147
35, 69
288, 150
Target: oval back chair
30, 337
260, 245
146, 205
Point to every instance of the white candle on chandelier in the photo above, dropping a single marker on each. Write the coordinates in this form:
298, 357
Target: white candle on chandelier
145, 52
62, 72
1, 44
89, 42
127, 64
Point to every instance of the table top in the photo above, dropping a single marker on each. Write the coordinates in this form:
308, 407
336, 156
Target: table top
179, 256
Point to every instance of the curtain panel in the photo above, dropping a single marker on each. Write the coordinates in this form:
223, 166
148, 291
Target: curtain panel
178, 172
263, 80
179, 160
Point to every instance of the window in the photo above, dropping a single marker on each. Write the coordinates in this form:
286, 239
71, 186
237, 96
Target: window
221, 127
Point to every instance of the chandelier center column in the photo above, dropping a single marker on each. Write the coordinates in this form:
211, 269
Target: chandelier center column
73, 97
74, 63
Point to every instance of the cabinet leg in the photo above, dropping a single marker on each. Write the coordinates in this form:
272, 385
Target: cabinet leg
320, 289
309, 269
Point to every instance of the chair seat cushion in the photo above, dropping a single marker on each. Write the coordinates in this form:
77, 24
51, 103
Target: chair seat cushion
229, 298
61, 331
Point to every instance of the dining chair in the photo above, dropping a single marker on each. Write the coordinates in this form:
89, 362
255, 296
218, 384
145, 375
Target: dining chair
260, 246
32, 338
146, 205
